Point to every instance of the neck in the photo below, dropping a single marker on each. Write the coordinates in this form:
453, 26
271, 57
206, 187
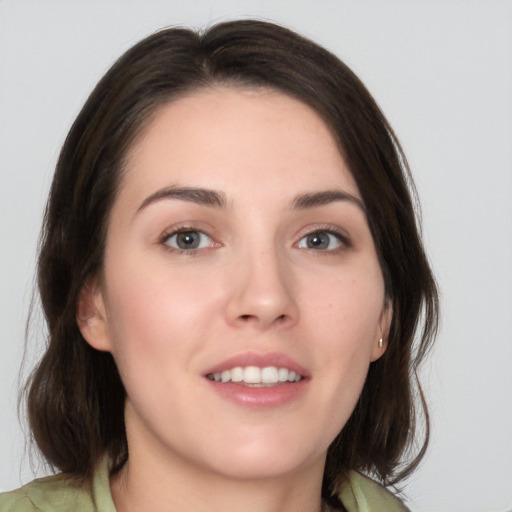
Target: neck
151, 484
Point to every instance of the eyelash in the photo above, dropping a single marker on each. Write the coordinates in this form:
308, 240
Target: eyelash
341, 238
329, 230
164, 239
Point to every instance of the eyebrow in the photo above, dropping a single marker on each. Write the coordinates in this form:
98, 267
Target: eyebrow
314, 199
201, 196
216, 199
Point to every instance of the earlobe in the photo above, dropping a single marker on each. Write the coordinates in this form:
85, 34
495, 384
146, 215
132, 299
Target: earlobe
91, 316
381, 342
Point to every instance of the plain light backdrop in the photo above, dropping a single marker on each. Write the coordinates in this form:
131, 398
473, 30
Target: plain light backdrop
442, 72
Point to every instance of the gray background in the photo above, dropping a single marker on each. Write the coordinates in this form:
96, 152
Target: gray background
441, 71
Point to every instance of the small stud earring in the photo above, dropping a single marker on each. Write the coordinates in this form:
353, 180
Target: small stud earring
380, 343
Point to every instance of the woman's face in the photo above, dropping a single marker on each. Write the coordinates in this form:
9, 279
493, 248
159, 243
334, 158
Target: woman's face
238, 249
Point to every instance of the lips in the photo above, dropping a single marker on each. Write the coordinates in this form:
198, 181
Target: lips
259, 360
259, 380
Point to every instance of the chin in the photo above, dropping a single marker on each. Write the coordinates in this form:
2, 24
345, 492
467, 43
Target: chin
263, 459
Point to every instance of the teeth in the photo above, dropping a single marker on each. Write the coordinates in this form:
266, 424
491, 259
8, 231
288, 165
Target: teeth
252, 375
255, 375
269, 375
282, 374
237, 374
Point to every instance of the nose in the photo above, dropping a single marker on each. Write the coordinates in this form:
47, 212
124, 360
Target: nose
262, 292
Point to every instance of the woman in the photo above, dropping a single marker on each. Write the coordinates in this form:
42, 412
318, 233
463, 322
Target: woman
232, 277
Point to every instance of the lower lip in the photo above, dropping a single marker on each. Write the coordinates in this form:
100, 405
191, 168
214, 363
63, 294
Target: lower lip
260, 397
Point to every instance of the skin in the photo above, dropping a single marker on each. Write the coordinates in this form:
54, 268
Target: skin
256, 283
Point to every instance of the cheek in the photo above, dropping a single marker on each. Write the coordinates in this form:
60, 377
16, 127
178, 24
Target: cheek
155, 314
152, 295
158, 320
347, 307
346, 315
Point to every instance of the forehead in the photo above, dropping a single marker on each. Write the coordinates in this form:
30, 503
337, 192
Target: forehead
237, 140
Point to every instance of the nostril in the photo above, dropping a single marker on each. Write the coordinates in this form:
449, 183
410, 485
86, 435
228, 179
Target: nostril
280, 318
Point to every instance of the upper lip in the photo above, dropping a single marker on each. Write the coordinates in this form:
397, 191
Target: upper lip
261, 360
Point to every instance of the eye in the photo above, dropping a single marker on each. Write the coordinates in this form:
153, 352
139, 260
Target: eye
321, 241
188, 240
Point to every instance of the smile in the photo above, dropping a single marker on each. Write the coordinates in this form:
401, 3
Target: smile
253, 375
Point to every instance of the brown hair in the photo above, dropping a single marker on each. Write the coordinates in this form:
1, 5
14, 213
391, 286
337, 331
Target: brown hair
76, 397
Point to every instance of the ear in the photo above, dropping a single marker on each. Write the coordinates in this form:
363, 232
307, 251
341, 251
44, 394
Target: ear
91, 316
379, 347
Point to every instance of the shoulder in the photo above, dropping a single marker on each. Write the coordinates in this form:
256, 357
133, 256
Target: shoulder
54, 493
362, 494
61, 493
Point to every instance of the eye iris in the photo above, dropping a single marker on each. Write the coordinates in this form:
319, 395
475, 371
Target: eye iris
188, 240
318, 241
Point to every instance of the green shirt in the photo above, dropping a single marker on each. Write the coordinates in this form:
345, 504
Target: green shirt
60, 493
